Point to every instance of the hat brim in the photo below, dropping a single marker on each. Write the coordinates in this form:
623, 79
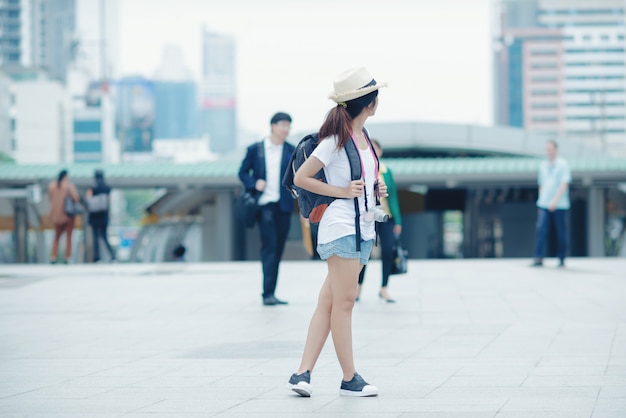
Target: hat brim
355, 94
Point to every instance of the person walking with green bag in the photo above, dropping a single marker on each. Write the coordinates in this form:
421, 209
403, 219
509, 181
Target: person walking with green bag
389, 231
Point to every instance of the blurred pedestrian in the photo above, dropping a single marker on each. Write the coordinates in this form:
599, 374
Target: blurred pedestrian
388, 232
179, 253
356, 95
553, 203
262, 171
63, 196
98, 202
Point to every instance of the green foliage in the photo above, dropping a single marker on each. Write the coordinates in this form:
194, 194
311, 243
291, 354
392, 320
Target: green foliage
4, 158
136, 203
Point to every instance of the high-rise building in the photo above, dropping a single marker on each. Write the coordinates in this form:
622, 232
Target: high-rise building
134, 109
97, 38
88, 143
218, 104
560, 68
53, 36
173, 67
94, 128
175, 98
12, 31
5, 120
175, 112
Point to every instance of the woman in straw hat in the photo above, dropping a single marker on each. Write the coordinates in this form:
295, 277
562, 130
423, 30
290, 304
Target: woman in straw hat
356, 95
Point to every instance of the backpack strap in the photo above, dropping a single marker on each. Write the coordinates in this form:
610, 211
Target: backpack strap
355, 173
367, 136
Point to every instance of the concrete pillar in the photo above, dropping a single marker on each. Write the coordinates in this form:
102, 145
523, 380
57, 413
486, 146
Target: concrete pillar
42, 255
217, 230
470, 221
208, 232
20, 230
595, 221
224, 227
88, 240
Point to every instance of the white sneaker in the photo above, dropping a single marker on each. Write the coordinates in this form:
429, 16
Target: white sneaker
357, 387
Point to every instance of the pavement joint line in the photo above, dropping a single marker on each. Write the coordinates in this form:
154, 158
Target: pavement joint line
461, 338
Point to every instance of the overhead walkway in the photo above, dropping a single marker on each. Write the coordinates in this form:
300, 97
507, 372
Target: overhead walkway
223, 174
487, 173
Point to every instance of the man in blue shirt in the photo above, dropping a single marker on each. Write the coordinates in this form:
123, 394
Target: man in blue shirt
553, 203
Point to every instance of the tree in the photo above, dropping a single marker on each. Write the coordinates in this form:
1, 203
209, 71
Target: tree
4, 158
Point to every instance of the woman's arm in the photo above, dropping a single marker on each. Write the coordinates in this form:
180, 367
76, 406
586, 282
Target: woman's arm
304, 179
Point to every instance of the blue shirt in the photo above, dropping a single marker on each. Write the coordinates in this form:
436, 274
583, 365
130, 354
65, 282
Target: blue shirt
551, 176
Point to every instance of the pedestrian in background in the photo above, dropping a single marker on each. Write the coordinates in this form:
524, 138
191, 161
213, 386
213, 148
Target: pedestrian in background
179, 253
553, 203
261, 172
98, 202
58, 192
388, 232
356, 95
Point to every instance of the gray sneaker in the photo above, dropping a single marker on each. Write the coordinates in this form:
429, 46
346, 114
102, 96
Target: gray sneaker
357, 387
301, 384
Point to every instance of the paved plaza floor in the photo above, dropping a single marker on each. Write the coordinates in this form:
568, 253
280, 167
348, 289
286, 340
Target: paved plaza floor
466, 338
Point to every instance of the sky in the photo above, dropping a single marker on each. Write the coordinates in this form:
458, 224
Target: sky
435, 55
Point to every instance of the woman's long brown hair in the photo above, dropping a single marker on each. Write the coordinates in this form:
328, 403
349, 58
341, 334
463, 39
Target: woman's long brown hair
339, 119
338, 122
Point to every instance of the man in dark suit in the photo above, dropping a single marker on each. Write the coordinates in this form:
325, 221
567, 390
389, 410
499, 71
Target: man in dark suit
262, 171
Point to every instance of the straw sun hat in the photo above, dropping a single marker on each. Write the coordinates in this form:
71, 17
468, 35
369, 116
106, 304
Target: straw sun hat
352, 84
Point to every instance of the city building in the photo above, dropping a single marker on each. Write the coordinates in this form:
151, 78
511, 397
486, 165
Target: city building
560, 69
5, 120
135, 112
173, 66
182, 151
176, 99
218, 104
53, 40
175, 112
94, 129
12, 32
97, 37
41, 122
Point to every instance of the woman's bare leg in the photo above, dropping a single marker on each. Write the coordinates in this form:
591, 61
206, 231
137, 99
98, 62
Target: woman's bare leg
58, 230
343, 277
68, 239
319, 328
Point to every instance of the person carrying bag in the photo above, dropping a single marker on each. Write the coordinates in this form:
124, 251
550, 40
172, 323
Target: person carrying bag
392, 255
63, 210
98, 201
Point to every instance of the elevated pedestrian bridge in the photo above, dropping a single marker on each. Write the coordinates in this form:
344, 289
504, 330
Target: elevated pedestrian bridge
485, 173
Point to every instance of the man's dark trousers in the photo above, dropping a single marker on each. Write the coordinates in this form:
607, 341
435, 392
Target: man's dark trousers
100, 232
274, 226
544, 218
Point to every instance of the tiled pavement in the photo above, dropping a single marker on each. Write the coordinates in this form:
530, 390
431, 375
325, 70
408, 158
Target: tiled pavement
466, 338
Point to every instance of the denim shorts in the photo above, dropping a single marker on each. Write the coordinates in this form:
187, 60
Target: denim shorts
345, 247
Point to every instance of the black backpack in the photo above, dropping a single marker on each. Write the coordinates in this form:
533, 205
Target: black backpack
312, 206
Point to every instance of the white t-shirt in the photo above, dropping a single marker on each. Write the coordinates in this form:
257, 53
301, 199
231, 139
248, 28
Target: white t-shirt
338, 219
273, 158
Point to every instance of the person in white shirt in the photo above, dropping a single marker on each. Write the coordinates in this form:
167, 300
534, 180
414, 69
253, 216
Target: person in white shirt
553, 203
261, 172
356, 95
